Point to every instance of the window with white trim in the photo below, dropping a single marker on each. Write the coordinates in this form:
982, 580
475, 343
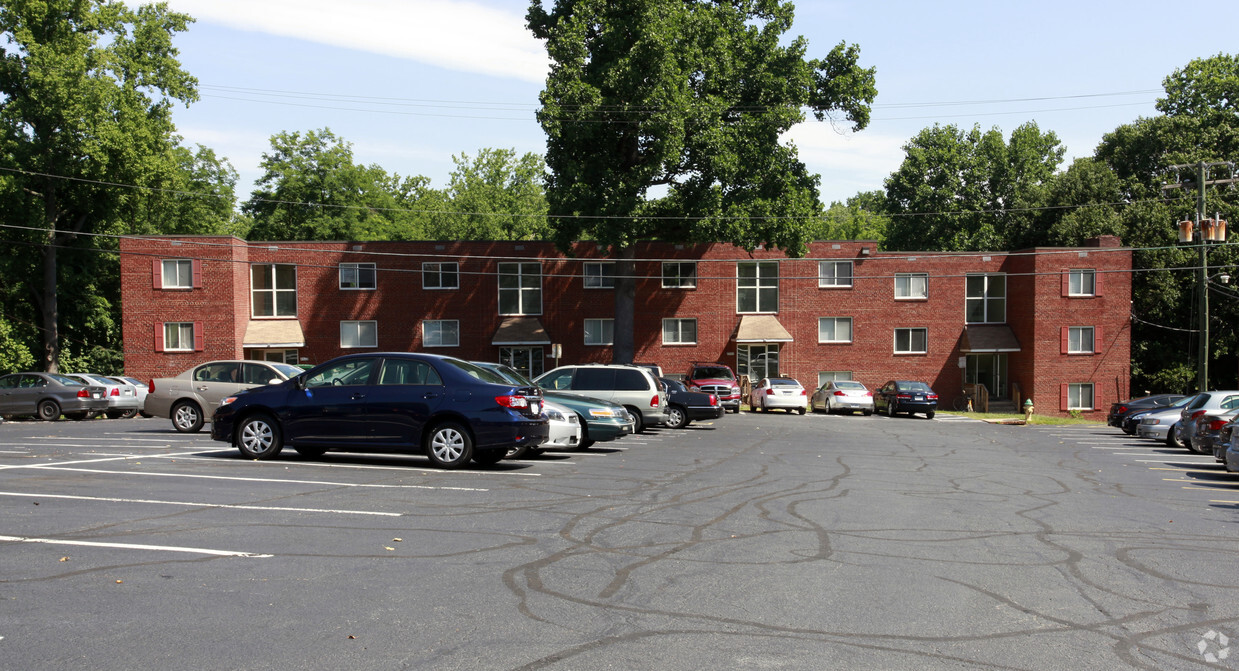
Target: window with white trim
359, 334
679, 331
440, 275
599, 275
911, 341
1081, 282
357, 276
273, 289
757, 286
985, 299
834, 273
911, 286
441, 333
178, 336
178, 274
1080, 396
828, 375
520, 288
599, 331
679, 274
1080, 340
834, 329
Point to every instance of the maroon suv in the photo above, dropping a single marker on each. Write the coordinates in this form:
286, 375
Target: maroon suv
717, 379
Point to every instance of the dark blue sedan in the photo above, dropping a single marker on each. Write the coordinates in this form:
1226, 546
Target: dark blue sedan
449, 409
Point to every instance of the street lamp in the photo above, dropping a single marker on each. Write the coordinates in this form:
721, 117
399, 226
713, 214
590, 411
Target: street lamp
1208, 231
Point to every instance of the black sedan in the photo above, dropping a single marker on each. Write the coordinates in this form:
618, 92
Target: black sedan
48, 396
907, 396
450, 410
1119, 411
684, 406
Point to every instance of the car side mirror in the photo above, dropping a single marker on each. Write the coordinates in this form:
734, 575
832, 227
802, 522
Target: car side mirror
274, 380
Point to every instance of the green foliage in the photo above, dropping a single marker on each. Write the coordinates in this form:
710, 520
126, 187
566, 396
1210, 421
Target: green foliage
494, 196
14, 354
860, 218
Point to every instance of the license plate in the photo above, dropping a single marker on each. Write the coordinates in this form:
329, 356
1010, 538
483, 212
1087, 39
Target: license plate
96, 395
920, 398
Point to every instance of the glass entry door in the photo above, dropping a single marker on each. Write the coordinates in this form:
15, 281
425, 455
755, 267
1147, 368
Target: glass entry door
527, 360
757, 361
989, 370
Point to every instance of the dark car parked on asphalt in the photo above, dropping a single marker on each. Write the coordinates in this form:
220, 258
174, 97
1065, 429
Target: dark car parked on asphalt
48, 396
449, 409
1120, 410
684, 406
898, 396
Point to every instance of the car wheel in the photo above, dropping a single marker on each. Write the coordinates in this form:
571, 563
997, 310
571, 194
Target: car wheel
129, 414
488, 457
929, 415
638, 420
800, 410
1172, 437
676, 417
890, 409
258, 437
49, 410
310, 451
449, 446
187, 417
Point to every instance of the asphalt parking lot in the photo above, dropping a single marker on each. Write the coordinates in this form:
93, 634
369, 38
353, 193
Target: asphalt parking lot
758, 541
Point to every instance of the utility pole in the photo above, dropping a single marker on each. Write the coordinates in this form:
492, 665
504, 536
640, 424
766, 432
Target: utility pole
1202, 366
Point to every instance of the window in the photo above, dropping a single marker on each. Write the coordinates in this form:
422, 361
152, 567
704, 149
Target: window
357, 276
343, 374
440, 275
526, 360
274, 290
911, 341
288, 356
828, 375
520, 289
757, 286
985, 300
599, 275
178, 274
359, 334
679, 274
757, 361
441, 333
1081, 282
911, 286
178, 337
599, 331
1079, 339
679, 331
834, 274
1080, 396
834, 329
404, 371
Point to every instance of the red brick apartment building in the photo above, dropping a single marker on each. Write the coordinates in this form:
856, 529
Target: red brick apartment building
1047, 323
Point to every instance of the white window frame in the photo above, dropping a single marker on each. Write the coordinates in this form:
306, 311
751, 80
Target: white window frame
435, 269
834, 321
351, 276
1075, 340
824, 376
907, 291
433, 333
832, 279
599, 274
601, 330
674, 326
359, 329
525, 295
177, 332
1075, 282
760, 284
678, 279
177, 265
989, 299
275, 291
1075, 391
911, 331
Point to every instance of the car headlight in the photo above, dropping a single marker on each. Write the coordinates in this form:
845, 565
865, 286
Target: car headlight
556, 415
226, 401
601, 412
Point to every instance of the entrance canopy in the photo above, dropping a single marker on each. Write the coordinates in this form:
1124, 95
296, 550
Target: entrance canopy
761, 328
520, 331
267, 333
989, 338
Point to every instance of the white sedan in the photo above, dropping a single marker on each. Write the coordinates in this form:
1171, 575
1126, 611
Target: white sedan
778, 392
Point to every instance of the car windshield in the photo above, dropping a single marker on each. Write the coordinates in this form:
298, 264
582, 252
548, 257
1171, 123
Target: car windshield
713, 372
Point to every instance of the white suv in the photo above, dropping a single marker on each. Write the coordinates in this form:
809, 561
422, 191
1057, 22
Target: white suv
630, 386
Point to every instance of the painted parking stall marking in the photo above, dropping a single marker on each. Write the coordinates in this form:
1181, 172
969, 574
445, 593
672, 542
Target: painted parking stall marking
135, 546
109, 499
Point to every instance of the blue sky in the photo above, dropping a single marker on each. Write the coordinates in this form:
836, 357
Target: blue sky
410, 83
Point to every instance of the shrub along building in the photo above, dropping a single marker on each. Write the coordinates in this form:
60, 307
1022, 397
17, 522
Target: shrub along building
1051, 324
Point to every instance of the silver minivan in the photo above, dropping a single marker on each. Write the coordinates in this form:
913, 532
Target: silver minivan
630, 386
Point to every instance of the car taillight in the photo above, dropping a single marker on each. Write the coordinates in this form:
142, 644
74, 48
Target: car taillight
903, 395
512, 401
932, 397
115, 391
1121, 409
803, 392
839, 393
1217, 424
1198, 413
150, 386
770, 392
869, 393
713, 399
654, 401
83, 393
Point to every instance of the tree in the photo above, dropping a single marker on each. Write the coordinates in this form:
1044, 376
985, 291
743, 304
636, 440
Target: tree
86, 92
193, 193
970, 191
495, 196
860, 218
663, 120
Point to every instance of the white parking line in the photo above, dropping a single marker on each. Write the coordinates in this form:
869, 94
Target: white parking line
189, 456
279, 480
200, 505
132, 546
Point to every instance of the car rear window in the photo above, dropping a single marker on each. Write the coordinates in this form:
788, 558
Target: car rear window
783, 382
630, 380
913, 386
849, 385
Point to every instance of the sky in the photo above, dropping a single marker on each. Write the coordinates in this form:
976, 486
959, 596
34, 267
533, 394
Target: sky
413, 83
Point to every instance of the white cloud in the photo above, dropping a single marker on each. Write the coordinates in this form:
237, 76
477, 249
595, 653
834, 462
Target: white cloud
462, 36
848, 162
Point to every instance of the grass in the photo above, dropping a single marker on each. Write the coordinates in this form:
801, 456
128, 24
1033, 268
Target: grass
1036, 419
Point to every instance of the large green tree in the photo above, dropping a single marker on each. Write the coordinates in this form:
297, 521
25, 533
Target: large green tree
663, 121
495, 195
86, 93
